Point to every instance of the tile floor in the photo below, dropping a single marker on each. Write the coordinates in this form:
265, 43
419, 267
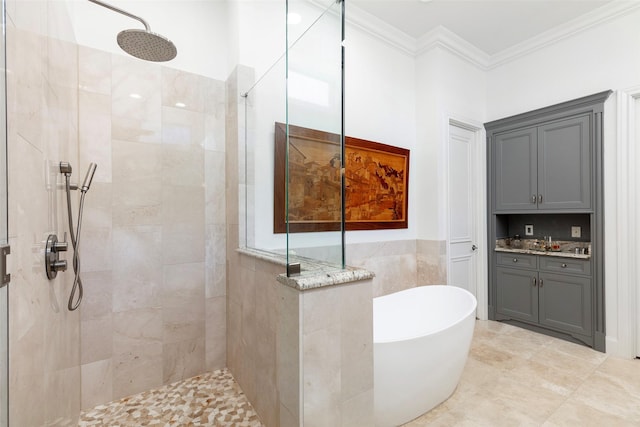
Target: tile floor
513, 377
212, 399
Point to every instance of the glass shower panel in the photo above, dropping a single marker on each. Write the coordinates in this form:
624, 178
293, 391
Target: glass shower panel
264, 107
314, 195
4, 308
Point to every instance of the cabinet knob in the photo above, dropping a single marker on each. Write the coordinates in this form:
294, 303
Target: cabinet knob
564, 265
533, 199
541, 282
515, 260
534, 281
539, 198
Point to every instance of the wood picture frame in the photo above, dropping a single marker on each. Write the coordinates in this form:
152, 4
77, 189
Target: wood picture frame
376, 182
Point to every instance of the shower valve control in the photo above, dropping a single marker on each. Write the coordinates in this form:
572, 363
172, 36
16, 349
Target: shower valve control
51, 256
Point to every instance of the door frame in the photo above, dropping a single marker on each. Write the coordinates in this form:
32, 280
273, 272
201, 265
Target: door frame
480, 222
622, 182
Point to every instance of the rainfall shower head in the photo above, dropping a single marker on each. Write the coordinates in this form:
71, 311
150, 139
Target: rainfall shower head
146, 45
143, 44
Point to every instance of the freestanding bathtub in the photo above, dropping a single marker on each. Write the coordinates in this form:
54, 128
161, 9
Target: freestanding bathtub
421, 340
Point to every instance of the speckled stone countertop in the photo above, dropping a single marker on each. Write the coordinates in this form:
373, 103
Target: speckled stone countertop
531, 246
315, 274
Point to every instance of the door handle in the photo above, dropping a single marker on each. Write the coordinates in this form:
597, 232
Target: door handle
5, 278
474, 248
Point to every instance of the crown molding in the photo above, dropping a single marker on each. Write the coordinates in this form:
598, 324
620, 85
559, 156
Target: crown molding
444, 38
589, 20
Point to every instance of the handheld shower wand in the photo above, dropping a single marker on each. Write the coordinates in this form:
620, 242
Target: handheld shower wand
65, 168
88, 177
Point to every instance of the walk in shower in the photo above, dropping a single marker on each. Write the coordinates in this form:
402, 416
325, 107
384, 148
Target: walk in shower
153, 230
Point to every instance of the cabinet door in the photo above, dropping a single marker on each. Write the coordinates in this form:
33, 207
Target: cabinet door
517, 294
564, 164
515, 168
565, 303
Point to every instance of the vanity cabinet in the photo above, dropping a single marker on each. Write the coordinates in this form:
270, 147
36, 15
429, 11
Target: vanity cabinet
548, 163
529, 289
545, 167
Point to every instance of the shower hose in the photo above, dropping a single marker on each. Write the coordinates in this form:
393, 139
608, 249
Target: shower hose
75, 242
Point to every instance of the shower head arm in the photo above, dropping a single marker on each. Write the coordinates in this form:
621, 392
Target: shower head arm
123, 12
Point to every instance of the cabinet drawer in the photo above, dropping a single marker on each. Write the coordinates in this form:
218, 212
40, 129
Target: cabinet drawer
565, 265
517, 260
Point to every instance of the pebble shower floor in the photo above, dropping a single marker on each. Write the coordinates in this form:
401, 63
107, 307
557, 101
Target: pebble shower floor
212, 399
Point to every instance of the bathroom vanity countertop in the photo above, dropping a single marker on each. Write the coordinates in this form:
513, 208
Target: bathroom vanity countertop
545, 253
532, 247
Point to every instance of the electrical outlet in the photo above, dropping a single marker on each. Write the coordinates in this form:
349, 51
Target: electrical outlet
576, 231
528, 230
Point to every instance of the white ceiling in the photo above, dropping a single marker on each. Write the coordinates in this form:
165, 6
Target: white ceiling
490, 25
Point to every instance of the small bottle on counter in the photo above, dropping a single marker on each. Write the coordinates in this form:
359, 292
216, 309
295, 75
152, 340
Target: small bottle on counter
516, 243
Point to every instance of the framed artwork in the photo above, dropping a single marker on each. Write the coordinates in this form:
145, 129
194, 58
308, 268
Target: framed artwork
376, 182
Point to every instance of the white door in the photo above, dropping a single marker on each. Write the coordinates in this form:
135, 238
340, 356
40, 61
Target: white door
462, 259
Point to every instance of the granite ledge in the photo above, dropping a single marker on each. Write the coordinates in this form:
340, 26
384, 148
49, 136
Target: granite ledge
315, 274
316, 280
271, 257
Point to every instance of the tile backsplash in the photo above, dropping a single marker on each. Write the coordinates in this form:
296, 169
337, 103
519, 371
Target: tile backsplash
558, 226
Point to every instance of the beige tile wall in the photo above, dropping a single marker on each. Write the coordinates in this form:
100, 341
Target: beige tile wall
337, 355
431, 256
44, 358
394, 264
154, 257
400, 264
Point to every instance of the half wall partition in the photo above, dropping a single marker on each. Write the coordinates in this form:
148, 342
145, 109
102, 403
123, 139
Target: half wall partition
294, 144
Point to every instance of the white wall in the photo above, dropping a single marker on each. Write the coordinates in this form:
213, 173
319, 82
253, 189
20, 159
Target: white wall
447, 87
603, 57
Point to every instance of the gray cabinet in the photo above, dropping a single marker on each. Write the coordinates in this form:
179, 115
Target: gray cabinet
548, 162
516, 170
565, 303
546, 167
517, 294
529, 290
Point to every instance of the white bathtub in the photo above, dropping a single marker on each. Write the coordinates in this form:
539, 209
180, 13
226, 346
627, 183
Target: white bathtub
421, 339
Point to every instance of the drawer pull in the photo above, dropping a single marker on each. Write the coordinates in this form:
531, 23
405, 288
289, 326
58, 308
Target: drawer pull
534, 281
515, 260
541, 282
564, 265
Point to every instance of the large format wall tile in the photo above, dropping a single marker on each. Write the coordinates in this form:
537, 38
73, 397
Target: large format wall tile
153, 221
44, 347
138, 273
